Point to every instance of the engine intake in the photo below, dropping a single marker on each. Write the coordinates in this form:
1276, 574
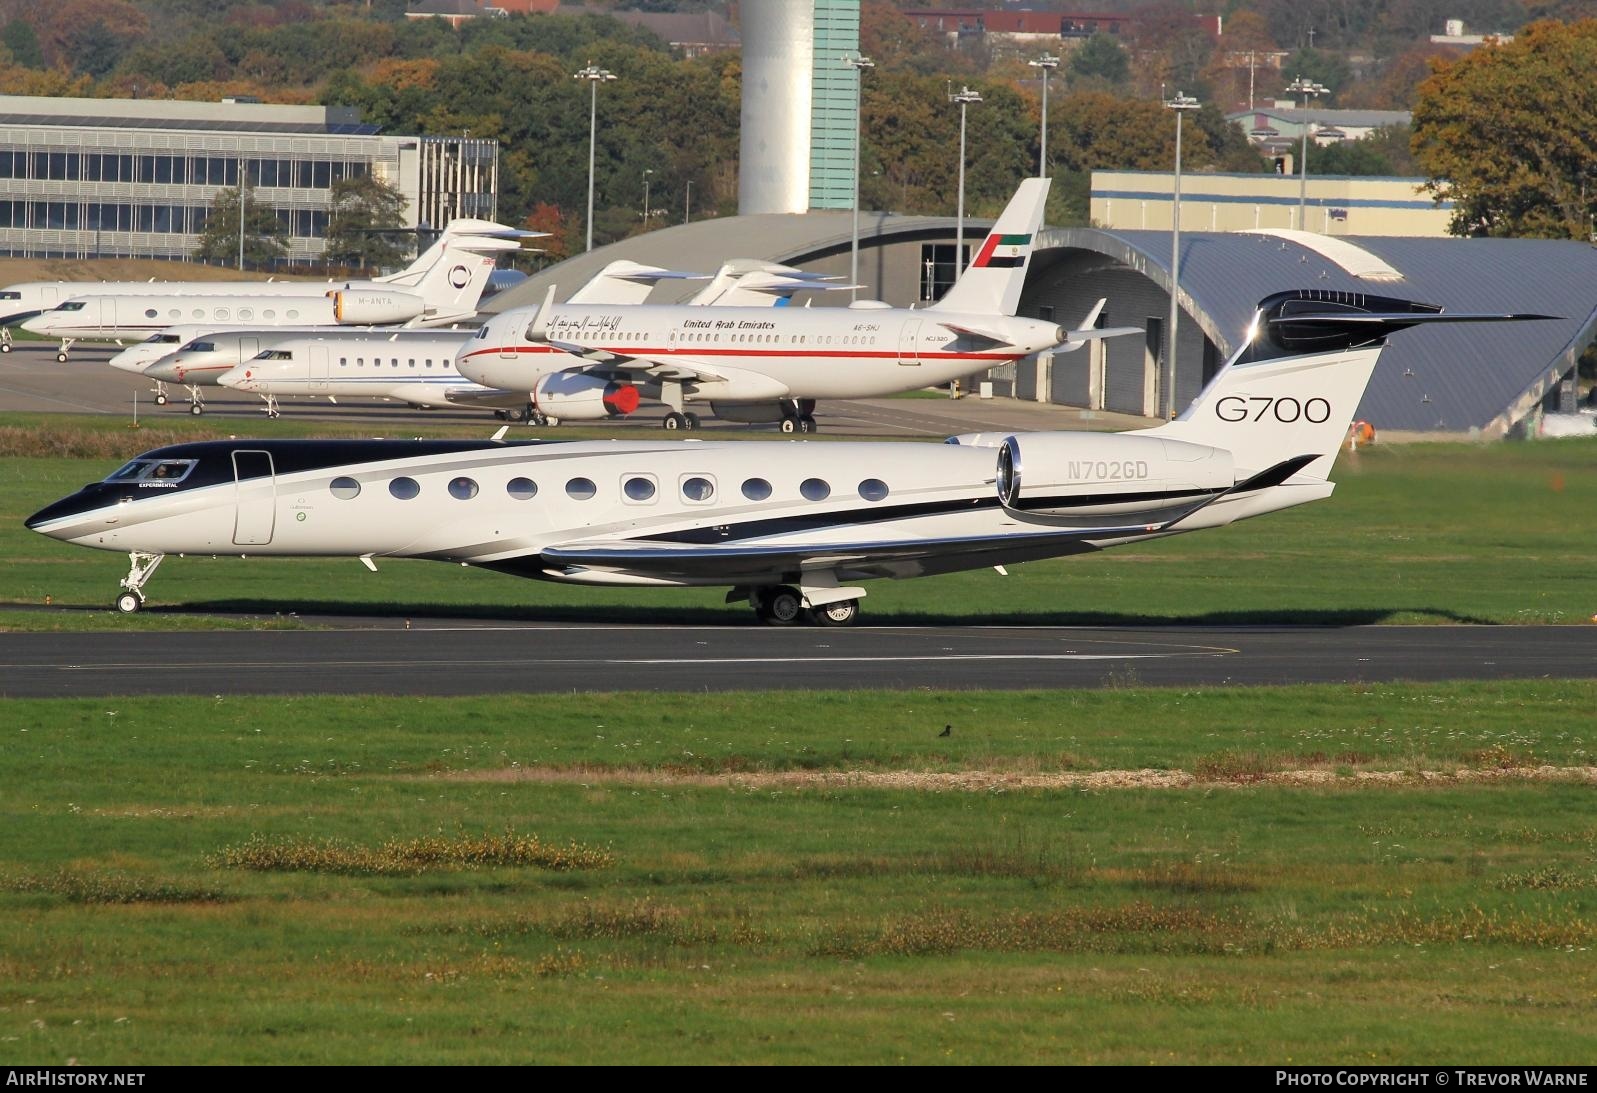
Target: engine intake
574, 396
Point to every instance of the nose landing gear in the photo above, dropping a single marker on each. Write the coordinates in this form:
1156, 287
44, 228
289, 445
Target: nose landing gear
140, 568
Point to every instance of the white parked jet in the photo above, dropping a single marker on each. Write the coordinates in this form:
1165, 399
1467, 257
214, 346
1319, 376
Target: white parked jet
204, 359
770, 364
790, 526
30, 298
446, 290
417, 369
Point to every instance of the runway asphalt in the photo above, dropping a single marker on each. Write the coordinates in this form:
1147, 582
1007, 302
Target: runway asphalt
449, 657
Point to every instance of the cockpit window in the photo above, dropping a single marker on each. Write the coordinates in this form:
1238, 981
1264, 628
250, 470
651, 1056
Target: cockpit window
198, 346
482, 332
274, 355
10, 294
71, 305
153, 470
162, 338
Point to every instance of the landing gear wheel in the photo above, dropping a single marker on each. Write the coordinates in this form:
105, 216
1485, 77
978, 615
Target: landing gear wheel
160, 400
196, 409
781, 606
674, 421
693, 420
790, 425
838, 613
5, 347
128, 603
61, 358
806, 424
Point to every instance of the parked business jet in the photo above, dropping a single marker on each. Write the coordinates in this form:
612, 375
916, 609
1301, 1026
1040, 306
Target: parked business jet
204, 359
789, 526
30, 298
417, 369
447, 290
771, 364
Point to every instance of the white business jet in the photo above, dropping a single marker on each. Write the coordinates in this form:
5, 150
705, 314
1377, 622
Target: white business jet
771, 364
444, 285
792, 527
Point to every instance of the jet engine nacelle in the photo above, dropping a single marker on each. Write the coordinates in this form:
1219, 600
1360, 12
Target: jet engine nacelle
1093, 474
367, 307
574, 396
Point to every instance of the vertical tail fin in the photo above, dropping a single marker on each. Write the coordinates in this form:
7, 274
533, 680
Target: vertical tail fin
991, 283
1295, 385
455, 283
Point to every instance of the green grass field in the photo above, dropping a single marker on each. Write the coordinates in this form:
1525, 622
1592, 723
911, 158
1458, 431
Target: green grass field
1415, 533
815, 878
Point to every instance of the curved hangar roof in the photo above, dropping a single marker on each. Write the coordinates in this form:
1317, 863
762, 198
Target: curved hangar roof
1485, 377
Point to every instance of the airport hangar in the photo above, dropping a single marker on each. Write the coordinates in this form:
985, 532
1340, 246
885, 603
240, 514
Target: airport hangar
1487, 380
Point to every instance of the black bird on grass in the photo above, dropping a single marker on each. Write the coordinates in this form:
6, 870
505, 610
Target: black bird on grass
948, 730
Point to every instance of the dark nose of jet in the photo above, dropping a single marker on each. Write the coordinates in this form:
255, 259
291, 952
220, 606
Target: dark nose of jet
75, 505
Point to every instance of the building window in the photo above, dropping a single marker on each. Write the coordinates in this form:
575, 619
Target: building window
938, 271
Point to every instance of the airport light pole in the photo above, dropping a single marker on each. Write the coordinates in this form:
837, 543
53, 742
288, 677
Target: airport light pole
964, 98
687, 204
595, 76
647, 171
1306, 89
1046, 63
241, 162
1180, 104
859, 64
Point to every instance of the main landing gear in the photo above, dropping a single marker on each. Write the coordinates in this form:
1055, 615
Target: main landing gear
798, 415
674, 421
5, 339
784, 606
271, 406
141, 567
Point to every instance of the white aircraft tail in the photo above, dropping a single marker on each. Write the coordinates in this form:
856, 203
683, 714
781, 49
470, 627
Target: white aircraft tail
624, 282
991, 283
454, 285
1291, 392
463, 227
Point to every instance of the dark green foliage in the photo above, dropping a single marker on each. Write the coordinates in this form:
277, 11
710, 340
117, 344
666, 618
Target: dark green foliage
263, 234
18, 36
361, 208
1099, 62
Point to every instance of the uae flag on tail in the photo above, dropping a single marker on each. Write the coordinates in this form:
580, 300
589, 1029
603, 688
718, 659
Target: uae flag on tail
1002, 252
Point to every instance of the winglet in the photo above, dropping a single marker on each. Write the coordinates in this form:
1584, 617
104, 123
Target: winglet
538, 329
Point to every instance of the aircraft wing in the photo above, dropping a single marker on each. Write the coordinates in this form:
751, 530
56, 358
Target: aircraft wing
489, 397
739, 561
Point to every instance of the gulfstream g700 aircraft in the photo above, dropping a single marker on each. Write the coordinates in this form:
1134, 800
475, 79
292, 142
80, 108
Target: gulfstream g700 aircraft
791, 526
